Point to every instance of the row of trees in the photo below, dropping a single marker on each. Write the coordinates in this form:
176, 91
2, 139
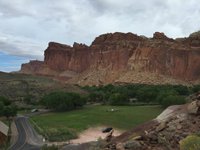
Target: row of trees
122, 94
164, 95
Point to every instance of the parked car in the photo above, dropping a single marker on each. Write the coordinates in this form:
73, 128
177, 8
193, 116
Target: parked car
34, 110
106, 130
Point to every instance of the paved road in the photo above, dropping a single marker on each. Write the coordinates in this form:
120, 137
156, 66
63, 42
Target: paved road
27, 139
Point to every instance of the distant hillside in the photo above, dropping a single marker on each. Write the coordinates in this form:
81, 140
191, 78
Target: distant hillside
19, 87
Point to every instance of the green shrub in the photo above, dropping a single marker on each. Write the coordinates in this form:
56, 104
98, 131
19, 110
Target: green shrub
164, 94
191, 142
173, 100
5, 100
147, 94
56, 134
118, 99
10, 111
196, 88
6, 108
97, 96
61, 101
182, 90
144, 93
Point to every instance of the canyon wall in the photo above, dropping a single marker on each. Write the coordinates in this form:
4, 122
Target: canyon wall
114, 56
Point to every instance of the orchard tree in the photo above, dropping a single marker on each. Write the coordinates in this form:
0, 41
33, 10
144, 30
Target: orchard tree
10, 111
118, 99
173, 100
62, 101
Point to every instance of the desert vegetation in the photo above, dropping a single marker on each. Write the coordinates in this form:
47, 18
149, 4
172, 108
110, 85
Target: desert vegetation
7, 109
191, 142
29, 89
62, 101
138, 94
118, 95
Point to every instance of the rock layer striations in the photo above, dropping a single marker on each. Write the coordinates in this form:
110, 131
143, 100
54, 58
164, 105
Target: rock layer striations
122, 57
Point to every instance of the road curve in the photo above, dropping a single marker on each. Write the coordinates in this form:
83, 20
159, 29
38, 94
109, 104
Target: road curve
27, 139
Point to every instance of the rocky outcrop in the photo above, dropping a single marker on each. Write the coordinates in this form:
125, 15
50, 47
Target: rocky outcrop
61, 57
165, 132
36, 67
117, 57
32, 67
161, 36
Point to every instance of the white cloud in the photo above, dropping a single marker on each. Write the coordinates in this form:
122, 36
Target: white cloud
20, 46
26, 26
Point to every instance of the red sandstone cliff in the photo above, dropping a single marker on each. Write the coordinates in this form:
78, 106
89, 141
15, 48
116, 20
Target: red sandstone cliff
121, 57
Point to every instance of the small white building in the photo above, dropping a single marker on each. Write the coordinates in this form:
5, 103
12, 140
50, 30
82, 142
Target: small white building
133, 100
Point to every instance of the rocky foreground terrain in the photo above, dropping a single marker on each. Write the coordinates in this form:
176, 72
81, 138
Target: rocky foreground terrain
122, 57
165, 132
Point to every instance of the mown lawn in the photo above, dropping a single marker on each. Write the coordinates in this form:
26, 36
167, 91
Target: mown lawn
56, 124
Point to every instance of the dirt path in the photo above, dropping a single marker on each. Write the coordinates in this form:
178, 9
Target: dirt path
93, 134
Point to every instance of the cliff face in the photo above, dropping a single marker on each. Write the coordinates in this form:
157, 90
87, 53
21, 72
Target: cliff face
61, 57
107, 50
36, 67
112, 57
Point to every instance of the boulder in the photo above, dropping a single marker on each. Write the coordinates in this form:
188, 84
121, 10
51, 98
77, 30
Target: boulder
120, 146
132, 145
193, 107
179, 127
161, 126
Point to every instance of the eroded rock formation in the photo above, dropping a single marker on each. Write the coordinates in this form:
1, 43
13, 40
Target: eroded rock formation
123, 57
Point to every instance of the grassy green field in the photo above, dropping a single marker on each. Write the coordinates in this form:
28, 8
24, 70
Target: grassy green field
66, 125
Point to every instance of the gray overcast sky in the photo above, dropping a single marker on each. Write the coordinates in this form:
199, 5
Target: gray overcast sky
26, 26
